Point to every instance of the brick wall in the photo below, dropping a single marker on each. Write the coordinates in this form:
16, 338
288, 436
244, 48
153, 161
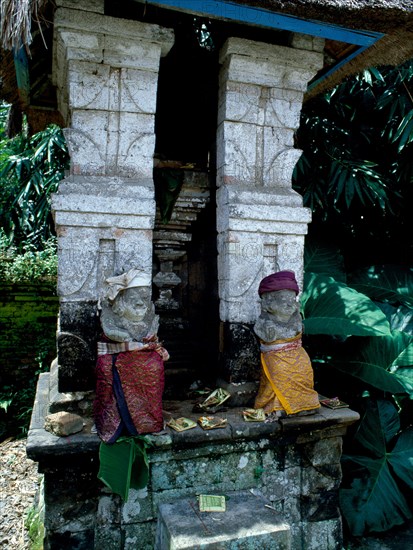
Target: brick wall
28, 317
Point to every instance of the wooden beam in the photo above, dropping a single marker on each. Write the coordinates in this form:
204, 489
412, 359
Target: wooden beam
229, 11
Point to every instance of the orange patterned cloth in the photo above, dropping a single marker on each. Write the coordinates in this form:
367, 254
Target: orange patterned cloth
287, 380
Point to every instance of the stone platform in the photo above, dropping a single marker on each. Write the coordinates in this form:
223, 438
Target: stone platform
182, 526
293, 465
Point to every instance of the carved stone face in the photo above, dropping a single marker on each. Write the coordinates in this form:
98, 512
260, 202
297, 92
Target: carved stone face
281, 304
132, 304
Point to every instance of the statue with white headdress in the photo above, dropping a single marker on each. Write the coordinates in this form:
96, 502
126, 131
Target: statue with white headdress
127, 311
129, 369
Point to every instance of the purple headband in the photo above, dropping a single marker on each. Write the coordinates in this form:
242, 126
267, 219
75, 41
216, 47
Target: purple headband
282, 280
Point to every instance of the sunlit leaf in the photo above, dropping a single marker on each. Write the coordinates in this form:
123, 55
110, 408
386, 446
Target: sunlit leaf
331, 307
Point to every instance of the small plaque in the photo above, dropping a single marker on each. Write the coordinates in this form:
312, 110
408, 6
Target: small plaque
211, 503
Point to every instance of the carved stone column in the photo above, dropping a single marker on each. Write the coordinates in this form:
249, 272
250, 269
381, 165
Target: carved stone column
261, 220
106, 73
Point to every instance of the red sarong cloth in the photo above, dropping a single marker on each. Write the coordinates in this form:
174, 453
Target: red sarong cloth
132, 385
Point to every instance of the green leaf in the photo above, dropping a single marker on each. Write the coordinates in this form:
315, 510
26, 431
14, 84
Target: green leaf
371, 501
330, 307
401, 458
379, 425
386, 283
373, 374
324, 259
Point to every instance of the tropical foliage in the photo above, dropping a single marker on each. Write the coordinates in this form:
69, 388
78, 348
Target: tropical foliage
30, 169
356, 174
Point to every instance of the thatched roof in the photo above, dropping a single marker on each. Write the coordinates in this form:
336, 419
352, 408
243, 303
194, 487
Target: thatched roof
20, 20
16, 18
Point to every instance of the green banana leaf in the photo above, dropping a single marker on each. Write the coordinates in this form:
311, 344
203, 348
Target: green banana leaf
331, 307
386, 283
370, 497
124, 465
324, 260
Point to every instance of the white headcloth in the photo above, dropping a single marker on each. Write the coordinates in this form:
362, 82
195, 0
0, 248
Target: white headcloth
133, 278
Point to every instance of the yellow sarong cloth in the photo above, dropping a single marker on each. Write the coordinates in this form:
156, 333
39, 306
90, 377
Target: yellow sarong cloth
287, 380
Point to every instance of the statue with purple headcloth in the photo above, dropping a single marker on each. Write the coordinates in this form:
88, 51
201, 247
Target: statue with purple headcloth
287, 381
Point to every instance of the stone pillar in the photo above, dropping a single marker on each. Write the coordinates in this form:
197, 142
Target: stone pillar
261, 220
106, 73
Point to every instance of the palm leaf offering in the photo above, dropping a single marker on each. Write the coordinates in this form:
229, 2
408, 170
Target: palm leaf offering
253, 415
212, 422
181, 424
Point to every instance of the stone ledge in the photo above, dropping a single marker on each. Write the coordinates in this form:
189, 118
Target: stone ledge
44, 446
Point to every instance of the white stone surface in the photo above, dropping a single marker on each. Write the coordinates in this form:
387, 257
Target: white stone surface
260, 220
127, 29
307, 42
97, 6
257, 235
104, 226
276, 55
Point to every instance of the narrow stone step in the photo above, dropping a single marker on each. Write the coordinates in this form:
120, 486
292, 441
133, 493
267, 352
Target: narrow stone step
247, 524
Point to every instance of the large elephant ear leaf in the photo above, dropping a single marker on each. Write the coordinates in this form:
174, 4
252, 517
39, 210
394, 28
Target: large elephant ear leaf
383, 363
370, 498
331, 307
400, 318
324, 259
386, 283
379, 425
401, 458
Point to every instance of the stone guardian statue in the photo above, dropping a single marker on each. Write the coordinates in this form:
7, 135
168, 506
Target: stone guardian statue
287, 381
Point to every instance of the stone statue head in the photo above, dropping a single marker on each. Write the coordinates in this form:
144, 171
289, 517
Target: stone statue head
281, 304
280, 311
127, 311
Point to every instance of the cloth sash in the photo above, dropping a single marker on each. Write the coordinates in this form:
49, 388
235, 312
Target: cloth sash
129, 388
287, 380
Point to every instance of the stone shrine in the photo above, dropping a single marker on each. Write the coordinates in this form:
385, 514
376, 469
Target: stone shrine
182, 154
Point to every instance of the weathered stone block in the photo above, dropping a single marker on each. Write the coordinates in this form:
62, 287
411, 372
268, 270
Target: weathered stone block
231, 472
320, 506
268, 65
124, 30
139, 536
246, 525
241, 357
138, 508
236, 154
329, 532
63, 423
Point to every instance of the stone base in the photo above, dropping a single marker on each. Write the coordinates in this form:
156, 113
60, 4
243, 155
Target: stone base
182, 526
293, 465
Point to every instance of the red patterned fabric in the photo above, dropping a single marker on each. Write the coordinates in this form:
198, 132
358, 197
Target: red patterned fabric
139, 394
